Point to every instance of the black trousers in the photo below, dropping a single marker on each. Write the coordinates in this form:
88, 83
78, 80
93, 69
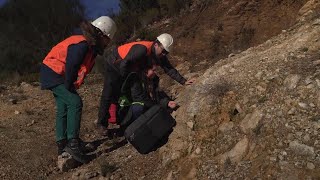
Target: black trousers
110, 94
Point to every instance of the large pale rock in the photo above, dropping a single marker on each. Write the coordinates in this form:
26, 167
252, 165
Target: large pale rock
236, 154
226, 126
251, 121
308, 8
66, 162
292, 81
301, 149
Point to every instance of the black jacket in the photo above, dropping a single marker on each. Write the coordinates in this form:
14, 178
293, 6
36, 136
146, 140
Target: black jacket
138, 88
137, 59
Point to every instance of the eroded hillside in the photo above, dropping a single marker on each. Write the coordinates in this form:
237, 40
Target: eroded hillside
252, 115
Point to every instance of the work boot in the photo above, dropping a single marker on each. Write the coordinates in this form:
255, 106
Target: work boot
102, 130
86, 147
74, 149
61, 145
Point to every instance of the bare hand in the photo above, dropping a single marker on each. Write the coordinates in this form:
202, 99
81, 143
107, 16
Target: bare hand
190, 81
172, 104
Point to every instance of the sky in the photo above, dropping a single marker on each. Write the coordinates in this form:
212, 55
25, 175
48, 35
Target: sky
2, 2
96, 8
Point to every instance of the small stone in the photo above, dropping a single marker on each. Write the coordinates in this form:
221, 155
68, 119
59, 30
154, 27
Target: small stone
16, 112
198, 151
190, 124
316, 63
283, 163
306, 138
231, 55
281, 158
318, 82
169, 177
130, 156
251, 121
292, 81
280, 113
292, 111
30, 124
308, 80
312, 105
303, 105
232, 70
77, 173
310, 165
258, 75
238, 108
310, 86
13, 101
273, 159
299, 134
225, 127
260, 88
284, 153
90, 175
190, 148
66, 162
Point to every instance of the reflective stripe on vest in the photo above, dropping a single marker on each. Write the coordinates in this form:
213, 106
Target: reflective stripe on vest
138, 103
56, 59
124, 49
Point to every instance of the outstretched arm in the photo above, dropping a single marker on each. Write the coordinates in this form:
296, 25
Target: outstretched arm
171, 71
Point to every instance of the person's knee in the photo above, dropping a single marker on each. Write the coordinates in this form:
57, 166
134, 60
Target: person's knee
75, 101
137, 110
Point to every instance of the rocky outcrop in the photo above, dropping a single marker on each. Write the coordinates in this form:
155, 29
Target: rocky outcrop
272, 119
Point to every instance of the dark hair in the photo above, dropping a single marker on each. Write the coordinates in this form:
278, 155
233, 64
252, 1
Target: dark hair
93, 35
89, 32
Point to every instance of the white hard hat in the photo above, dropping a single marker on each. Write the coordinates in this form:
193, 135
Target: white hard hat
106, 25
166, 40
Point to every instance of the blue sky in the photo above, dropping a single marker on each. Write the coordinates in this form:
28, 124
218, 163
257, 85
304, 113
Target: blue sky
2, 2
95, 8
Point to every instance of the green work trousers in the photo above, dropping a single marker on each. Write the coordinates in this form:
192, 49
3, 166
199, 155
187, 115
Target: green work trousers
68, 115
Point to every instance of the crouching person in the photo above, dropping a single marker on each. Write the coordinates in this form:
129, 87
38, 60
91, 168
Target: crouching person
141, 92
63, 70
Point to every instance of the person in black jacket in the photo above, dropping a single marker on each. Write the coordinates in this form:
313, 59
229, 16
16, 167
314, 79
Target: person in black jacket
133, 57
141, 91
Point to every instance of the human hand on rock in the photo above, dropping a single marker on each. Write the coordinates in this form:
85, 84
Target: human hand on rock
172, 104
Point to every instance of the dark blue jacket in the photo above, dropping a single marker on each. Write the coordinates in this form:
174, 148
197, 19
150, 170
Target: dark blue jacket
75, 56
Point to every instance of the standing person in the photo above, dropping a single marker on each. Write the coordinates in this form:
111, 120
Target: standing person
133, 57
63, 71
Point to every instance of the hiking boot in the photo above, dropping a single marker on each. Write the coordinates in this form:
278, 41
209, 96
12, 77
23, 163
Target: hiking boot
86, 147
102, 130
74, 149
61, 145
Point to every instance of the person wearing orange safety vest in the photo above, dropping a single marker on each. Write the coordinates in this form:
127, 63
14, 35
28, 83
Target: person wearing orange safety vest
63, 71
133, 57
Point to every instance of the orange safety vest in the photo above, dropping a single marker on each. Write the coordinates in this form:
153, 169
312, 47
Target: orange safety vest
56, 59
124, 49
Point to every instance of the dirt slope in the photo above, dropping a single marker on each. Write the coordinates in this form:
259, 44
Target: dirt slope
253, 115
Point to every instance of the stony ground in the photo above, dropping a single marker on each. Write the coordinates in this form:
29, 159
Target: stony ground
252, 115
